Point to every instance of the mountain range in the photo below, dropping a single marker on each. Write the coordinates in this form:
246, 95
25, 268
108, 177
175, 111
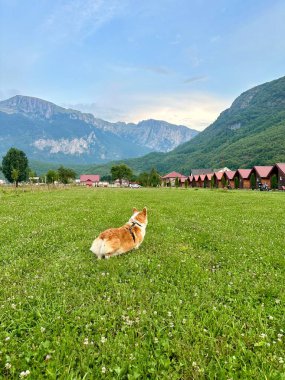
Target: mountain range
50, 133
250, 132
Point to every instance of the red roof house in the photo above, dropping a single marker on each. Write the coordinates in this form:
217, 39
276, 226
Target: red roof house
229, 178
201, 180
208, 178
89, 179
169, 179
243, 177
218, 179
279, 171
262, 174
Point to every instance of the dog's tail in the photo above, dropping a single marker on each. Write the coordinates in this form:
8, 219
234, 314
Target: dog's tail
98, 247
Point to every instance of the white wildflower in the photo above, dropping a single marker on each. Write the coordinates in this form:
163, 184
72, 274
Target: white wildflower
104, 370
8, 365
24, 374
103, 339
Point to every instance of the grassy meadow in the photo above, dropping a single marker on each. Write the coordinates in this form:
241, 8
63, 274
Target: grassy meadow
202, 298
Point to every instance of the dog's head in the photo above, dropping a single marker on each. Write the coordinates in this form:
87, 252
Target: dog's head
140, 216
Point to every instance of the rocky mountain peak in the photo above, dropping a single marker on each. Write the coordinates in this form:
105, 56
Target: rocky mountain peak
30, 106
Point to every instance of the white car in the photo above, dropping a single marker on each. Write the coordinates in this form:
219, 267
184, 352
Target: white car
135, 185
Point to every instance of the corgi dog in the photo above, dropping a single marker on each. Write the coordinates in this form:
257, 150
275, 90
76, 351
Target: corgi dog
115, 241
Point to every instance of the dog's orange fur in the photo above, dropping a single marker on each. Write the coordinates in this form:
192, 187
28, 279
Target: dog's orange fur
116, 241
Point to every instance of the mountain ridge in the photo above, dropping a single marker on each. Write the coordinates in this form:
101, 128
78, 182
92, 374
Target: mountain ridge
53, 133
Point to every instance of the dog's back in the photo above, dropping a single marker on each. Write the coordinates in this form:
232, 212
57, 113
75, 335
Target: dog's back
116, 241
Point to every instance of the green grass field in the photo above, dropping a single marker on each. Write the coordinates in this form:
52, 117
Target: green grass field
203, 297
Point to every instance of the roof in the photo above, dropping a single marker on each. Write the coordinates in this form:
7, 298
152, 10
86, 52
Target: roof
190, 178
262, 171
202, 177
173, 175
244, 173
196, 177
200, 171
209, 175
90, 177
230, 174
281, 166
219, 175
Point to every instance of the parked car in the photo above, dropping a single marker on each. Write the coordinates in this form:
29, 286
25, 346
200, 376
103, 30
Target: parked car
135, 185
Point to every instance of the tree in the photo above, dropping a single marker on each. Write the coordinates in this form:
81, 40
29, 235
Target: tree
252, 181
176, 182
15, 166
186, 183
236, 181
121, 172
143, 179
274, 182
212, 182
51, 176
154, 178
65, 175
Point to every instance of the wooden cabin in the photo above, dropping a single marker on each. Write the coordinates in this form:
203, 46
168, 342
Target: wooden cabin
208, 178
278, 170
243, 176
229, 178
261, 174
218, 180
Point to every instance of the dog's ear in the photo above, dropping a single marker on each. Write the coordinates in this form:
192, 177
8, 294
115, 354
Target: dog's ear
144, 210
135, 210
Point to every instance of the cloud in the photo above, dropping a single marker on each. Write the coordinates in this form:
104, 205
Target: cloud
157, 70
74, 18
196, 79
196, 109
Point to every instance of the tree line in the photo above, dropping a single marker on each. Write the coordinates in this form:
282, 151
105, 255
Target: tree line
15, 167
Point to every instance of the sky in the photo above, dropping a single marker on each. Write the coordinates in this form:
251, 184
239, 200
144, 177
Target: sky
182, 61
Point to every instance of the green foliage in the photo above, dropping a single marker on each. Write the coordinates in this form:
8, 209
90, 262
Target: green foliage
223, 181
236, 182
15, 166
186, 184
176, 182
52, 176
121, 172
154, 178
274, 182
65, 175
143, 179
252, 181
212, 182
190, 303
